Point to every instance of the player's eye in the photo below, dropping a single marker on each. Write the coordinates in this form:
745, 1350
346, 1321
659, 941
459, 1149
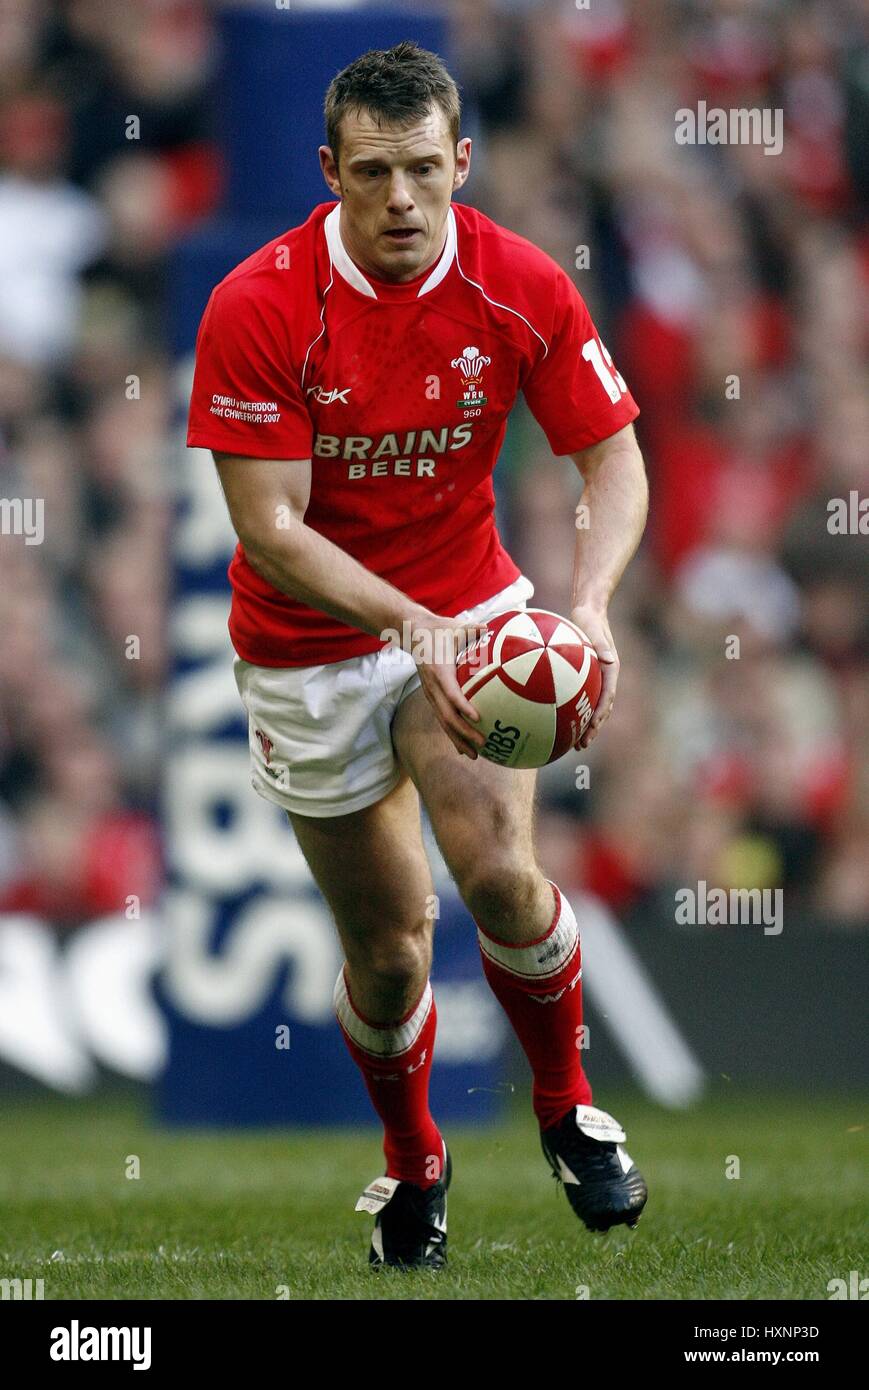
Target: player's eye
425, 168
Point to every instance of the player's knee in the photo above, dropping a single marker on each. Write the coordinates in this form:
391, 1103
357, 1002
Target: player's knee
394, 959
470, 829
489, 855
498, 890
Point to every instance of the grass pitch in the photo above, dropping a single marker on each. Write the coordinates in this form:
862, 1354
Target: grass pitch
226, 1215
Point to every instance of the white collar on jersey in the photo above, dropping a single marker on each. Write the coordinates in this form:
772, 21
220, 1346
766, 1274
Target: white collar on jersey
353, 275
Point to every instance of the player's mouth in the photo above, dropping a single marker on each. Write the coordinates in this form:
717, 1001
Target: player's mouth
400, 235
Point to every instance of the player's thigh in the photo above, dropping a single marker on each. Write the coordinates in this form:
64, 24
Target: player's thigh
482, 814
372, 869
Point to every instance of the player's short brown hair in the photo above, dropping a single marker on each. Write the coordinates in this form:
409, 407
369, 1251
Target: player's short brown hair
394, 85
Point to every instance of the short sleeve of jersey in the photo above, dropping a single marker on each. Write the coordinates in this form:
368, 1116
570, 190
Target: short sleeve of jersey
246, 399
575, 392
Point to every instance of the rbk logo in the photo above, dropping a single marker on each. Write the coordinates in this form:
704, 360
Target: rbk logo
329, 397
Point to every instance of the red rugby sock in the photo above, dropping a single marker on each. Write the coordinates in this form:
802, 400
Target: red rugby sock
395, 1060
539, 986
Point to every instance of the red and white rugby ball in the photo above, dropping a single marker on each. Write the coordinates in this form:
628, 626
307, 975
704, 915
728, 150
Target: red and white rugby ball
535, 679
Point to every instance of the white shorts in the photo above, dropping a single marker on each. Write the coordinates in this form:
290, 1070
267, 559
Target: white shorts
321, 736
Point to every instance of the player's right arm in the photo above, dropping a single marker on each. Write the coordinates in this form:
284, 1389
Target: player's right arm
267, 501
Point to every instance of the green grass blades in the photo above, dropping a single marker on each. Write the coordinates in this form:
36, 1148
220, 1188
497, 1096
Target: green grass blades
265, 1215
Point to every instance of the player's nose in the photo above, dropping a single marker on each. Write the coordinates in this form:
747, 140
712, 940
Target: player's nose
399, 193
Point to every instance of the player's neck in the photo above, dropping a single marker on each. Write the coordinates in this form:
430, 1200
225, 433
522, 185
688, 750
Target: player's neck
378, 278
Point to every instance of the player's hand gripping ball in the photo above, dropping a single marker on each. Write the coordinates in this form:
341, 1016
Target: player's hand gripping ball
535, 679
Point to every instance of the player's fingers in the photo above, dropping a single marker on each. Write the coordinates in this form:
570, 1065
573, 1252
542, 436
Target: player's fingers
468, 633
469, 737
463, 742
446, 676
463, 710
466, 636
609, 671
463, 707
455, 728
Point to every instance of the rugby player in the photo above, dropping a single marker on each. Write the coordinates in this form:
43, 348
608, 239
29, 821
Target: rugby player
353, 380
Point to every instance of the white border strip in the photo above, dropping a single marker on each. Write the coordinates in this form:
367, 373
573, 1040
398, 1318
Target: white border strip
380, 1042
546, 958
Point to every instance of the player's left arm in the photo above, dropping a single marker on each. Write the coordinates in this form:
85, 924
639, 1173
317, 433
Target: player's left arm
580, 399
616, 499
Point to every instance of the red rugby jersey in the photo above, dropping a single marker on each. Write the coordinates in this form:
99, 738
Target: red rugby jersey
399, 394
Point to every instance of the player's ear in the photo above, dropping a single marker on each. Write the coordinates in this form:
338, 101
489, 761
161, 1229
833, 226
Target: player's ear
329, 167
463, 162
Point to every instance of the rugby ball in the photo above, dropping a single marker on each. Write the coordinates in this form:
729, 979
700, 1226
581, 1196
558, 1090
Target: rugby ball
535, 679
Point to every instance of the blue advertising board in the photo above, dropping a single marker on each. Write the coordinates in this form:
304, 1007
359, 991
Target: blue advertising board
252, 953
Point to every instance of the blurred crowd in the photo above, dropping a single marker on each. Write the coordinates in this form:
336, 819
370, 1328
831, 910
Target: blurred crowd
90, 203
731, 287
